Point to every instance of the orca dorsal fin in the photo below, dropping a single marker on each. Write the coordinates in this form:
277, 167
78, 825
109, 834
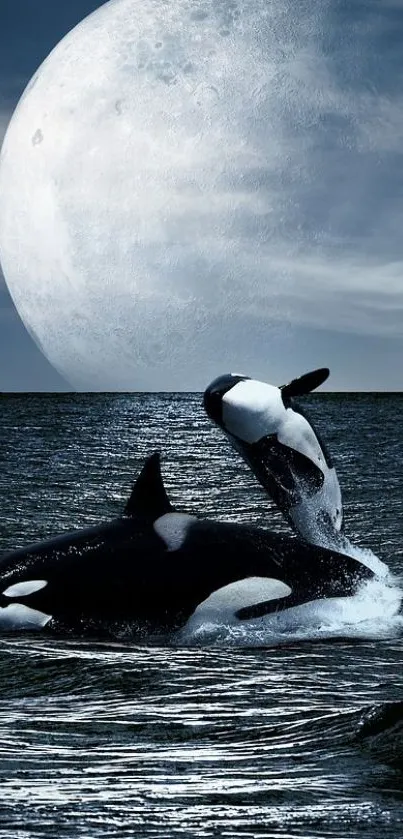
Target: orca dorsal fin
148, 496
306, 383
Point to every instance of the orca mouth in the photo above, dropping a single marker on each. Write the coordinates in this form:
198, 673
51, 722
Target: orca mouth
215, 392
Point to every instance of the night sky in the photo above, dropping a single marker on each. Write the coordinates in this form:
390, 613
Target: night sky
345, 205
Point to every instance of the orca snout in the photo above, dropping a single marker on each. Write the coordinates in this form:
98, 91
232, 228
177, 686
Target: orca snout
215, 392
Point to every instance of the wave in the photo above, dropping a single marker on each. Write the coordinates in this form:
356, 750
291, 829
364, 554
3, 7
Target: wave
380, 732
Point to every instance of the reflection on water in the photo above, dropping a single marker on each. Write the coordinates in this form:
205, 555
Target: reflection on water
114, 739
193, 740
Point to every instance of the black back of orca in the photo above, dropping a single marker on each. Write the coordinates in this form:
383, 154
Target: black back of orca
130, 571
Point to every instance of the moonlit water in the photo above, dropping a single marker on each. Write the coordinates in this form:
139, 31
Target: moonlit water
287, 731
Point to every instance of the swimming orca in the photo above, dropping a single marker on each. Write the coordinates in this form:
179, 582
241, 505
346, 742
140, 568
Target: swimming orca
274, 436
153, 567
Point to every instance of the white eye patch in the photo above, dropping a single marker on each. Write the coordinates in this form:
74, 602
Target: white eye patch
25, 588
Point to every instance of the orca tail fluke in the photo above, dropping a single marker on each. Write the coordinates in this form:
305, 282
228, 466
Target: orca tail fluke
305, 384
149, 497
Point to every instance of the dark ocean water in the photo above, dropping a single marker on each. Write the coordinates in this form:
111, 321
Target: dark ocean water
114, 739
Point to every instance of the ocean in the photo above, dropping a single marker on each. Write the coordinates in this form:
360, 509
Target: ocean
284, 735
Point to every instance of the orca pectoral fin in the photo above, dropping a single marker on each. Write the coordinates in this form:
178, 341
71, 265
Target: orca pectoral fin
305, 384
149, 496
266, 607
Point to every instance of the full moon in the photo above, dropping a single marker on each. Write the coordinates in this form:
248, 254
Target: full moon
141, 192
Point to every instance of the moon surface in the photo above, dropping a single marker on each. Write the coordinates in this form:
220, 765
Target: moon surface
142, 192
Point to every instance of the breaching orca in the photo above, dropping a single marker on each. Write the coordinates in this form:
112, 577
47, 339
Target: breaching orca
273, 435
154, 567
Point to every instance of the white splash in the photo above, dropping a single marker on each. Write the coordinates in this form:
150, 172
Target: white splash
364, 555
372, 613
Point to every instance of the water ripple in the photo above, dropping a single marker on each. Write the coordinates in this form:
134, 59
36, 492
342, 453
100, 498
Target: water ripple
120, 739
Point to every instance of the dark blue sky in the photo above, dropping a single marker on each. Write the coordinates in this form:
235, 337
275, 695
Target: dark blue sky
337, 196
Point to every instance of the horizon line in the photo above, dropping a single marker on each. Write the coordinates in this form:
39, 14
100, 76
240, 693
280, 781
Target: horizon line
167, 392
